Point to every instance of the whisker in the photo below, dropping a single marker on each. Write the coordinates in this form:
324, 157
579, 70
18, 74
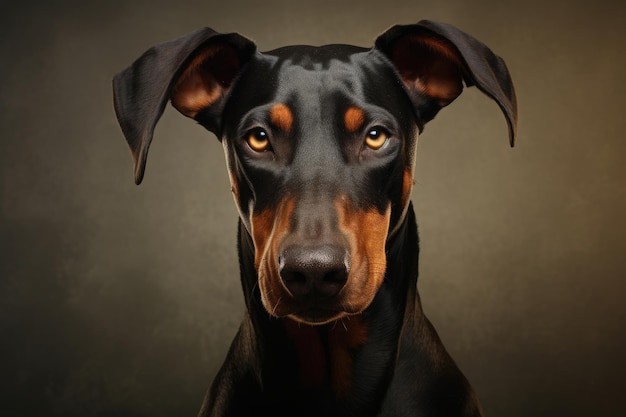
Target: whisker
254, 287
276, 306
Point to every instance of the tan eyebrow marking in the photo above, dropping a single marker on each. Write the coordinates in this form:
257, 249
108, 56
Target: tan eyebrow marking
354, 119
281, 117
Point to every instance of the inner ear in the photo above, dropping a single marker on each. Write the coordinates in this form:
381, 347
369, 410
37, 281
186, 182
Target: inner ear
430, 66
204, 80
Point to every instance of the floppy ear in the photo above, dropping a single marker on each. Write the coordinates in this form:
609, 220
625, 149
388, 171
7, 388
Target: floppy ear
195, 72
433, 59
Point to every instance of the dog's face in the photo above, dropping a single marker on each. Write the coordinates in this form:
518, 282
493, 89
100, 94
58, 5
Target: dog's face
320, 146
321, 164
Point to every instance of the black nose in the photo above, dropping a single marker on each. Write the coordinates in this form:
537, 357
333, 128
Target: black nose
314, 272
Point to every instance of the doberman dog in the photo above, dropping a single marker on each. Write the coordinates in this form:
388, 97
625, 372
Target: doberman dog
320, 147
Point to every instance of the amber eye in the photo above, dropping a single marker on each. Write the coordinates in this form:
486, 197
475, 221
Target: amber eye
376, 138
258, 140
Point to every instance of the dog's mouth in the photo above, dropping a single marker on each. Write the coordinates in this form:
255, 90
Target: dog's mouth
318, 295
304, 298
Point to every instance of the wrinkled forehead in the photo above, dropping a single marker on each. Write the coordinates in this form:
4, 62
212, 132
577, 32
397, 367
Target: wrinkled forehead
317, 58
308, 71
319, 80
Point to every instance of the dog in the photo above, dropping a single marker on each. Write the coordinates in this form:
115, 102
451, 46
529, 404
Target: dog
320, 146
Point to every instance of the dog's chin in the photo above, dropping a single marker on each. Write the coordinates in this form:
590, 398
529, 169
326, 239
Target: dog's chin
317, 317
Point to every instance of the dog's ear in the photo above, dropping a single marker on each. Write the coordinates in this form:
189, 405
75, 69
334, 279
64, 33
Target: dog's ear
433, 59
195, 72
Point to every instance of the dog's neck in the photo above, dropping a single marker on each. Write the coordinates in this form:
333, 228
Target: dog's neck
324, 361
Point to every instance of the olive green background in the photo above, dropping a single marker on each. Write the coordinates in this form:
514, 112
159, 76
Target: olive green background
118, 300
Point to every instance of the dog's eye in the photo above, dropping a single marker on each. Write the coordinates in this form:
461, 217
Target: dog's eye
376, 138
258, 140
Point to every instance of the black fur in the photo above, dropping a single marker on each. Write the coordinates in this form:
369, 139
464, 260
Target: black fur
316, 193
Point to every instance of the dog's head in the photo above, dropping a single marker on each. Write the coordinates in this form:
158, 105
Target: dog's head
319, 142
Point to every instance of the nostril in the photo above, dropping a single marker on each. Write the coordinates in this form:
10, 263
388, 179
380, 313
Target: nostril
296, 282
332, 282
338, 276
